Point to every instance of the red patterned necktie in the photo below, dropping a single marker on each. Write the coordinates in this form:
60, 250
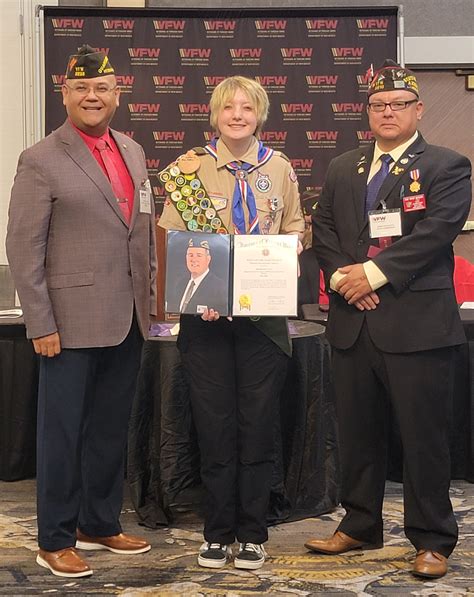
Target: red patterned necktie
114, 178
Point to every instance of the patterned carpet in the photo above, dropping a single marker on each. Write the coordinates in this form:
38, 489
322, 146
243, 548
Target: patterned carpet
170, 568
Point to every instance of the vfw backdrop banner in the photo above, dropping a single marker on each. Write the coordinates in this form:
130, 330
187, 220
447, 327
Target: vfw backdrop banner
313, 63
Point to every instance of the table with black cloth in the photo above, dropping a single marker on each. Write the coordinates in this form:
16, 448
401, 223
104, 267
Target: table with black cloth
163, 456
461, 411
18, 400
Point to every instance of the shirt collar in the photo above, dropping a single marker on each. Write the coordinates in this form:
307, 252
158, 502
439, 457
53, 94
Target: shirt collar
224, 155
91, 141
396, 153
199, 279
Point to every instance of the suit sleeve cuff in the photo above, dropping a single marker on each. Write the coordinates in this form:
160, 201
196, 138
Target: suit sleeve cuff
374, 274
335, 278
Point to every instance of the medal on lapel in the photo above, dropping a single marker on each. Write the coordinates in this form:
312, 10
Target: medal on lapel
415, 186
396, 170
361, 165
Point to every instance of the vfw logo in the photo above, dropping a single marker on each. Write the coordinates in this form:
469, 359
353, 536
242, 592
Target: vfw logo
118, 27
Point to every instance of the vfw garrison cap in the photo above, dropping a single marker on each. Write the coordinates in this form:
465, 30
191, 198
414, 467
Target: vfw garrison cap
393, 77
88, 64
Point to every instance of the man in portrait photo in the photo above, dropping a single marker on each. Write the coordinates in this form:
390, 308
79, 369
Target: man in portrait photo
200, 288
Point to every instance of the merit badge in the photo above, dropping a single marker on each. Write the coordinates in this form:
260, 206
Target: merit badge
170, 186
205, 203
165, 176
187, 215
263, 182
210, 213
181, 205
241, 174
187, 190
180, 180
195, 184
176, 196
175, 171
216, 223
192, 225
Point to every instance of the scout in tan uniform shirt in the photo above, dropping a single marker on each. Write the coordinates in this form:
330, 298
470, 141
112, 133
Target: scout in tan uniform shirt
236, 366
275, 188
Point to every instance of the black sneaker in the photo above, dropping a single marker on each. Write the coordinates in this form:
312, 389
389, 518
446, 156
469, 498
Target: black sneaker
214, 555
251, 556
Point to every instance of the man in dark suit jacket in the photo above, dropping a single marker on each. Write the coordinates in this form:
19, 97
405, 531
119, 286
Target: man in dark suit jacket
383, 233
81, 247
202, 288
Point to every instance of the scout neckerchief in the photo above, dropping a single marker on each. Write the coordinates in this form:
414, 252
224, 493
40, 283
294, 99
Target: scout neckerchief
242, 190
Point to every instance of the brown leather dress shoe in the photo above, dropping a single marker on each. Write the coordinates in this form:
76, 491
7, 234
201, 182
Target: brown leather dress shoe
64, 562
126, 544
338, 543
430, 564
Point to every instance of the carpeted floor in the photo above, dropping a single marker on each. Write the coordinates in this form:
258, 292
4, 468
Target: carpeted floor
170, 568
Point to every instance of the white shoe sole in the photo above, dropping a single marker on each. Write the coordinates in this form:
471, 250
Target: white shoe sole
44, 564
98, 547
248, 565
208, 563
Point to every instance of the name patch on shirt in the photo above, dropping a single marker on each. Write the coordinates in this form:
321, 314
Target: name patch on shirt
414, 203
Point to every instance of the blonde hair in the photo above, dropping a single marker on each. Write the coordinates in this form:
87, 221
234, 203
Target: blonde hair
226, 90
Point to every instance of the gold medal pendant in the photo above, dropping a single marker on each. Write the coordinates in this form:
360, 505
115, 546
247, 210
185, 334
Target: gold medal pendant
415, 186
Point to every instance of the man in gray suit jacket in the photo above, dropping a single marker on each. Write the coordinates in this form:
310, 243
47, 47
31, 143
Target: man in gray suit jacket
383, 232
81, 247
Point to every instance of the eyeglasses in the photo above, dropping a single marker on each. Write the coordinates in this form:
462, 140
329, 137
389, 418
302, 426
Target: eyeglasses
394, 106
84, 90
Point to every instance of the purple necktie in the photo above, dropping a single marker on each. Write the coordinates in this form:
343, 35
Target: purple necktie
114, 178
375, 183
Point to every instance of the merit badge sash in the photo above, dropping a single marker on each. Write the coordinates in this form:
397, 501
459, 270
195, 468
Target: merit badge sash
187, 193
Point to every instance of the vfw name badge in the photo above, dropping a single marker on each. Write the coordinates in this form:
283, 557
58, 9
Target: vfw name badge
386, 222
145, 198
